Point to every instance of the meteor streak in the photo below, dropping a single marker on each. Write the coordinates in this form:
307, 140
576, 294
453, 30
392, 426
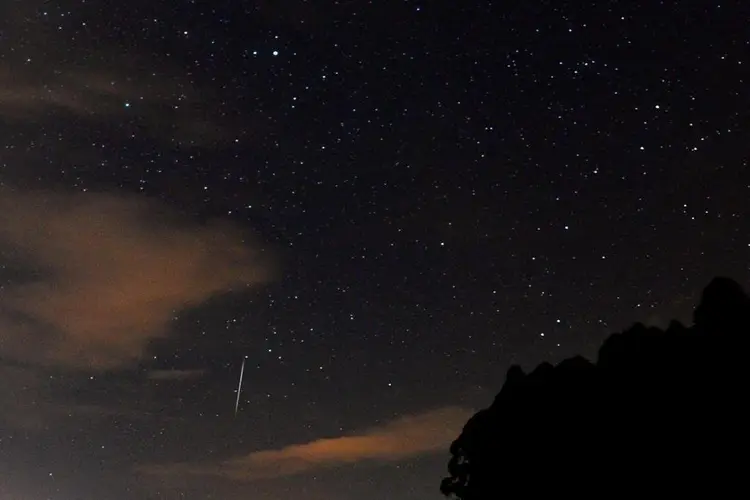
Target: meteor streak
239, 387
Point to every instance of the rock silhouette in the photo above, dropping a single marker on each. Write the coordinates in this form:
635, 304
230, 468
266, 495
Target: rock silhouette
661, 412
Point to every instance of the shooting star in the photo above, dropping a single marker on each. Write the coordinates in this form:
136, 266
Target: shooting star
239, 387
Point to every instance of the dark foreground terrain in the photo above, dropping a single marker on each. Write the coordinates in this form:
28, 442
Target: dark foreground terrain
660, 412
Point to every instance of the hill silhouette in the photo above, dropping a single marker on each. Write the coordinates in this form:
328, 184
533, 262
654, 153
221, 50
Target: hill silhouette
661, 412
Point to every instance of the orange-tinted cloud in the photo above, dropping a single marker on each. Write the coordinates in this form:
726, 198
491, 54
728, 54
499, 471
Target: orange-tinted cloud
106, 274
397, 440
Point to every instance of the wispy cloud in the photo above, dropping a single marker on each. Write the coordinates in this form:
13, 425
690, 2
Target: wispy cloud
397, 440
174, 375
106, 275
20, 397
165, 106
43, 75
25, 93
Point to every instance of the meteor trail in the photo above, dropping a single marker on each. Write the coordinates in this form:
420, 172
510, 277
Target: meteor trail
239, 387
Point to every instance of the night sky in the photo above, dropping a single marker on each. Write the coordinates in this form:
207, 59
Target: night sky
381, 205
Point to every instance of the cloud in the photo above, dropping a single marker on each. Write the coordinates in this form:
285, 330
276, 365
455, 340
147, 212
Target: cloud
25, 93
405, 437
22, 394
167, 107
101, 276
174, 375
94, 79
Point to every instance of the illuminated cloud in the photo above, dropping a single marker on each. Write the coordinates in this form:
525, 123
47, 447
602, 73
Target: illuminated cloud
103, 275
405, 437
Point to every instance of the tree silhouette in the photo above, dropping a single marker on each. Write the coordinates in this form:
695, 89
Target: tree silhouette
661, 412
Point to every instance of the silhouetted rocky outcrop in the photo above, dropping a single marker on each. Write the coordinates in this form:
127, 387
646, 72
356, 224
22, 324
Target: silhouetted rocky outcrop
661, 412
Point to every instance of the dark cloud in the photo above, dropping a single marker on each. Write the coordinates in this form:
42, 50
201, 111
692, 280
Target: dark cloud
23, 402
100, 83
167, 107
175, 375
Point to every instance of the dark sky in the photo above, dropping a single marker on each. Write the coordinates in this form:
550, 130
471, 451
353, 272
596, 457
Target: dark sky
382, 205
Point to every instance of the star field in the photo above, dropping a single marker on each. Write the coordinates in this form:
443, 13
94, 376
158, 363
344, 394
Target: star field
383, 205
